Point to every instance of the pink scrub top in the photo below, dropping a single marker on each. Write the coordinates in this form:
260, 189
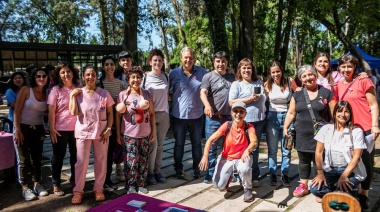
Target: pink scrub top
92, 114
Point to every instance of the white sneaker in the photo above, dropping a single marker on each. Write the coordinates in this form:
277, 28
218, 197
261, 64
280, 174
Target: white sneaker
120, 175
40, 190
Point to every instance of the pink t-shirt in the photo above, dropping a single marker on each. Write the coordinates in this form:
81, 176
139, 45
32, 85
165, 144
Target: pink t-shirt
92, 115
358, 101
325, 82
235, 142
129, 126
60, 97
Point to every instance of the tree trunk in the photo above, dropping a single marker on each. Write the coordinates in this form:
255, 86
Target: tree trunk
216, 10
162, 34
179, 24
130, 11
234, 40
278, 41
103, 21
287, 29
246, 30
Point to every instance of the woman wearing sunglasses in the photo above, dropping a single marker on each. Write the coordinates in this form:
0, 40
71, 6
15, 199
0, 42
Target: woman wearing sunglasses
29, 132
236, 153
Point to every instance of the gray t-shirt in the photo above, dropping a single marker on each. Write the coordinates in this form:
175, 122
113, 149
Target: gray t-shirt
218, 87
158, 87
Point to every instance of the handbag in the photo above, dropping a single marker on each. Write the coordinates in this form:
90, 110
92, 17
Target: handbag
317, 125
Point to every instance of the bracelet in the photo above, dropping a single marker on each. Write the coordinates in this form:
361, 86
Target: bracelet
108, 128
375, 126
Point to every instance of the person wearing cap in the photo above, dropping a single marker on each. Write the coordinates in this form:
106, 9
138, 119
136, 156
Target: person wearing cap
214, 95
236, 152
185, 82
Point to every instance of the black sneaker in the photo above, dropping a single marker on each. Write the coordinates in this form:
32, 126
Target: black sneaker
151, 179
109, 185
196, 174
248, 196
160, 178
285, 180
179, 174
273, 180
364, 201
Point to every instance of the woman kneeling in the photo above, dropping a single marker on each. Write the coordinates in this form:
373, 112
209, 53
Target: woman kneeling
342, 144
236, 152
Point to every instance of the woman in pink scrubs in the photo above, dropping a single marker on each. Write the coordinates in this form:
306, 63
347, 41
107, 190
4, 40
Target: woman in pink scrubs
93, 108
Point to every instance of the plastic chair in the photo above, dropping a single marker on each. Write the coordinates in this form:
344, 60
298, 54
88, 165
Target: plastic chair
339, 201
6, 125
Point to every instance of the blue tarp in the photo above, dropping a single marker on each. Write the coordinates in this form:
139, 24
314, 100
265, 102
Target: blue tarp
372, 61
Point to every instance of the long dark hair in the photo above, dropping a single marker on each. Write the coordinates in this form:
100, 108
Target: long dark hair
328, 73
108, 57
338, 108
270, 80
33, 82
12, 85
57, 79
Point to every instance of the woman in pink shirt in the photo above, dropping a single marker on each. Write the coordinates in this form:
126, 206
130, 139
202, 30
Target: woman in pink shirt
362, 97
326, 78
138, 129
62, 123
93, 108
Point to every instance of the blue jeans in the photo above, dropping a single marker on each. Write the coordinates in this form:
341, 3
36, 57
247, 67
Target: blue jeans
259, 127
274, 133
332, 177
180, 127
212, 125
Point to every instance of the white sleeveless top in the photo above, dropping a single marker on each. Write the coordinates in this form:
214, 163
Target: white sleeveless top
33, 110
278, 99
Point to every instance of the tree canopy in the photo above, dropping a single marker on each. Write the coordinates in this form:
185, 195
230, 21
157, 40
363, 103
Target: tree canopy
292, 31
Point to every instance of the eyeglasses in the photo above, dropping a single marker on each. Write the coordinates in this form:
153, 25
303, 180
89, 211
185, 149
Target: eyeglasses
239, 111
41, 76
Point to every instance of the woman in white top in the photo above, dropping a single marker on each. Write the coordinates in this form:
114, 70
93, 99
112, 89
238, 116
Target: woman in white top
278, 89
29, 133
157, 83
342, 145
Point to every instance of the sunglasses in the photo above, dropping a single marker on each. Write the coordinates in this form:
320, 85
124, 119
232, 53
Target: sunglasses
41, 76
239, 111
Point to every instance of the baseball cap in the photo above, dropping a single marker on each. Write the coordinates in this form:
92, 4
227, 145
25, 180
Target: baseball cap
239, 104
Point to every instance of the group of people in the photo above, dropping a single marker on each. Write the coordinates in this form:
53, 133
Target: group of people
125, 117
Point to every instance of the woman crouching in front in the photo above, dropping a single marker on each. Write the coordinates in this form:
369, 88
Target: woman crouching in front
342, 144
236, 151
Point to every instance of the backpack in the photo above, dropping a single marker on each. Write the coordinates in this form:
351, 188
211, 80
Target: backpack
229, 125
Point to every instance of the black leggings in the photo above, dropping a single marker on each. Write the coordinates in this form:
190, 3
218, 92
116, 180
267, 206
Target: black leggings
59, 152
368, 160
111, 147
304, 167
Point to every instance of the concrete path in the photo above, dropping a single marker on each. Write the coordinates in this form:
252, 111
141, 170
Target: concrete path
194, 193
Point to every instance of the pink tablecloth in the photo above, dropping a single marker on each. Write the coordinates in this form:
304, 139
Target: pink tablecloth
152, 204
7, 151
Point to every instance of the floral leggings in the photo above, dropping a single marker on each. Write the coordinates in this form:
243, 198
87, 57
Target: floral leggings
135, 151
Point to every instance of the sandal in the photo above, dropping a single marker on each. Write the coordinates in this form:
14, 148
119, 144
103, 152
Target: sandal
77, 198
58, 190
99, 196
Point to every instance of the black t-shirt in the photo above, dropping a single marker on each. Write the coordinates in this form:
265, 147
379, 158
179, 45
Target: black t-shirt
303, 124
